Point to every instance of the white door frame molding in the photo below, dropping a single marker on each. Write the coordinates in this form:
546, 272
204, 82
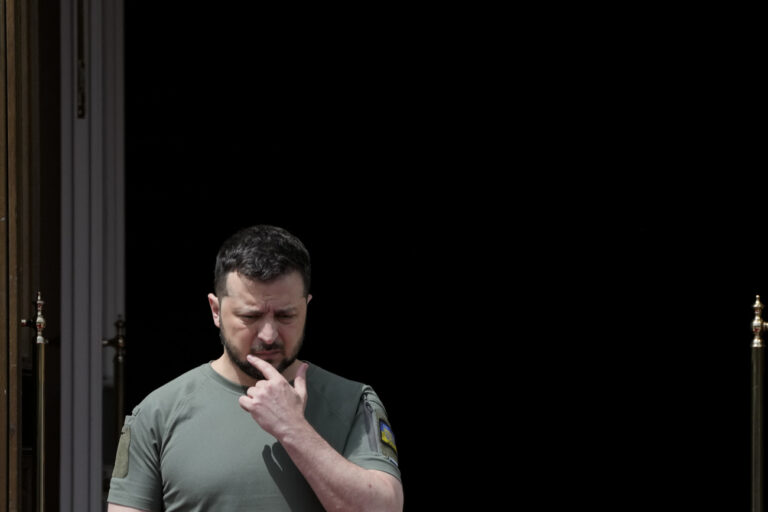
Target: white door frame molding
92, 227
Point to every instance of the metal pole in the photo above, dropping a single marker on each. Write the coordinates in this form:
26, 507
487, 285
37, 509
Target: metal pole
39, 325
41, 426
757, 408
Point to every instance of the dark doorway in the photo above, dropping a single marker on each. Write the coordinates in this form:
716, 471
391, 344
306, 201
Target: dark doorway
338, 145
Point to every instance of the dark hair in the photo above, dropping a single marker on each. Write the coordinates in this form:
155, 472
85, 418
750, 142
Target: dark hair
262, 253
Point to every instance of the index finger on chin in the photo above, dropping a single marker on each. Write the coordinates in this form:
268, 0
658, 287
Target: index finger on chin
264, 367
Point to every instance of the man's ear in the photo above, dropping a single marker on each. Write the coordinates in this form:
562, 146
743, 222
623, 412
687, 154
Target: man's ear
309, 297
213, 301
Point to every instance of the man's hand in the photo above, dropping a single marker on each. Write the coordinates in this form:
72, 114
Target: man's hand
272, 402
338, 483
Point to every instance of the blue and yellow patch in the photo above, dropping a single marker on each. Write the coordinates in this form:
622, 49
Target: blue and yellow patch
387, 436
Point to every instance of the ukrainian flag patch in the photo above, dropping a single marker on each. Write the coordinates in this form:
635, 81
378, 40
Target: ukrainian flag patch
387, 436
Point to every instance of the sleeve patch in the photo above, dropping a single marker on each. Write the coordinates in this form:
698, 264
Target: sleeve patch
121, 459
388, 440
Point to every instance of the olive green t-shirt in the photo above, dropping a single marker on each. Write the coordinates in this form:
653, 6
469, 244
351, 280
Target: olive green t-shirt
189, 446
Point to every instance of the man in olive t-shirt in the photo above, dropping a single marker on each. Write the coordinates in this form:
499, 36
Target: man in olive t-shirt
257, 429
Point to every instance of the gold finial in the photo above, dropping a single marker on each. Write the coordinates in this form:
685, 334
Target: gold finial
757, 324
39, 323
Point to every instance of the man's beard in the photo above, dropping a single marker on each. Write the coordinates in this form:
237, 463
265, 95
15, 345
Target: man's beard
251, 370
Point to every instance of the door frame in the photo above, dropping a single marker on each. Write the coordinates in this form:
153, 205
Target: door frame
93, 236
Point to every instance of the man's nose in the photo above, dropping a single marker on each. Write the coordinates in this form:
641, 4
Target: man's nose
268, 333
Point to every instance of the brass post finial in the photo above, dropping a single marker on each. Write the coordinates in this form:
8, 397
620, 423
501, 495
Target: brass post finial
757, 324
118, 342
39, 323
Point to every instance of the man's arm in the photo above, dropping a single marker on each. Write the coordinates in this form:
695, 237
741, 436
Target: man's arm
120, 508
339, 484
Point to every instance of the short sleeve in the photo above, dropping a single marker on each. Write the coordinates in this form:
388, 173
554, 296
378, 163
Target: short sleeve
136, 480
371, 442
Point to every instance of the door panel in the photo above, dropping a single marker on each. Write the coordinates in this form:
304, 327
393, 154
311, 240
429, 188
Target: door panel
29, 260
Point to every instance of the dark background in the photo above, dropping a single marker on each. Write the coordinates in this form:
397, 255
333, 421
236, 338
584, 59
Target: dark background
544, 261
364, 154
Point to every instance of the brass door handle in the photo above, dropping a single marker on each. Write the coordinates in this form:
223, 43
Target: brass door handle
39, 323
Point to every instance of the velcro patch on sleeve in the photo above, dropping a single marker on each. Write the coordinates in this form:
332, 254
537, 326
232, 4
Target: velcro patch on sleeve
121, 459
389, 448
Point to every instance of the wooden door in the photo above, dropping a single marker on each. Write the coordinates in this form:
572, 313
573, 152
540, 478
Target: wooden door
29, 253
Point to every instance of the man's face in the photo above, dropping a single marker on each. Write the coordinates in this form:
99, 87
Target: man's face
263, 319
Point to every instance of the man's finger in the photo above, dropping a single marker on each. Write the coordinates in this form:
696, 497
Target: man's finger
300, 382
264, 367
245, 403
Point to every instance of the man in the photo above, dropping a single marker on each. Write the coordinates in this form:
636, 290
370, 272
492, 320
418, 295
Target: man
258, 429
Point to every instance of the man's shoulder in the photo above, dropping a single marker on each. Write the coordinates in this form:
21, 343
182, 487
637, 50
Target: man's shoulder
326, 382
340, 394
174, 391
332, 404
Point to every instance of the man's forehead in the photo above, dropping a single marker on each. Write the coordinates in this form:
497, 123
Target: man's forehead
264, 303
292, 279
279, 294
263, 307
